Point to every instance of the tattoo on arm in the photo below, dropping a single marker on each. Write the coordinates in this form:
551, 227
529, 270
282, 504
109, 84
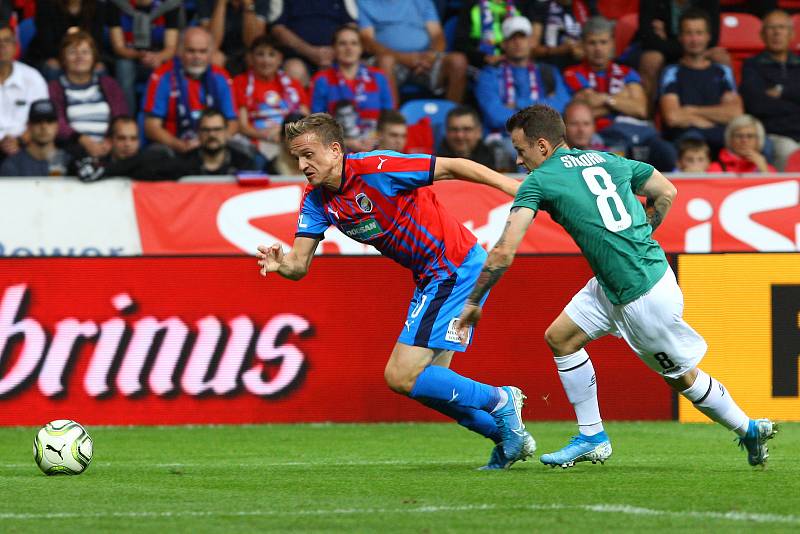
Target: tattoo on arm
657, 213
488, 277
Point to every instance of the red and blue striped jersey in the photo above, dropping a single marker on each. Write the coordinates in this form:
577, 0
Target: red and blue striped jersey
382, 202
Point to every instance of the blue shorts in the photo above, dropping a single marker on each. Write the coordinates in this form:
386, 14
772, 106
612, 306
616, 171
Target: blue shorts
434, 309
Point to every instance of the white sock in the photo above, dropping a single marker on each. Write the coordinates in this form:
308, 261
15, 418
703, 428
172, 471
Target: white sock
577, 376
710, 397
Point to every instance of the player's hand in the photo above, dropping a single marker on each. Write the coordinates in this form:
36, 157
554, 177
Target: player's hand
269, 258
470, 316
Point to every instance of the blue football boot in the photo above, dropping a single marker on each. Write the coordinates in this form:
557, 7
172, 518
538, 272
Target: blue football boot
498, 459
509, 421
581, 448
755, 441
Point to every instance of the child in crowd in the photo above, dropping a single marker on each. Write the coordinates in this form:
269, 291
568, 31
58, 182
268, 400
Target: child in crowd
694, 155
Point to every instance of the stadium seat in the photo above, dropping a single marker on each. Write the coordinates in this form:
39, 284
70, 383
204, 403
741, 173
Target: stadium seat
626, 28
435, 109
26, 31
615, 9
740, 34
793, 162
796, 41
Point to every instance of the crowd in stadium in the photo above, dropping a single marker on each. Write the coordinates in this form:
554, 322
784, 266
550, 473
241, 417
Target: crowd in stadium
159, 89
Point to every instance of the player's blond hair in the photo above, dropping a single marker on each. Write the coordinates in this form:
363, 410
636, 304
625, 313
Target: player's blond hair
327, 130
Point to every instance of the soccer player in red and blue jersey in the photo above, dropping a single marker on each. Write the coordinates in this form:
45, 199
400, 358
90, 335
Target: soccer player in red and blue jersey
380, 198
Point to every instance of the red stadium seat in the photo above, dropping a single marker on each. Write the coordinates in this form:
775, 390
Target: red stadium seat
793, 162
740, 33
615, 9
796, 42
625, 30
789, 5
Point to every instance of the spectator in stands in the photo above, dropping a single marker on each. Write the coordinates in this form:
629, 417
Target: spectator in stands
19, 86
180, 89
658, 37
285, 163
463, 138
693, 155
744, 141
615, 94
214, 155
55, 19
392, 131
771, 86
698, 96
350, 86
517, 82
125, 159
144, 36
40, 157
265, 95
307, 29
479, 32
580, 129
409, 43
234, 25
557, 31
84, 100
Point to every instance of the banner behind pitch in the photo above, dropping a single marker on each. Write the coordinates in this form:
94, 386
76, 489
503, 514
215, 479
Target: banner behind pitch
747, 306
207, 340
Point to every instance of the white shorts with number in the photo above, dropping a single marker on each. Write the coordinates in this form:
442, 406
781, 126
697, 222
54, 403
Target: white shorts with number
652, 324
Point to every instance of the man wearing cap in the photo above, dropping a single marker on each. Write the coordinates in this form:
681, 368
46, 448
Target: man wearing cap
40, 157
19, 86
517, 82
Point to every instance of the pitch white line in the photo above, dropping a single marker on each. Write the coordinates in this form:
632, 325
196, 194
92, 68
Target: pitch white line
597, 508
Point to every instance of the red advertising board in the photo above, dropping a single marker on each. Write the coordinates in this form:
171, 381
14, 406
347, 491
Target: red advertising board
168, 340
724, 215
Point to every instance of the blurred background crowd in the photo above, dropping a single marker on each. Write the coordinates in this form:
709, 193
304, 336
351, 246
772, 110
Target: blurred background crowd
159, 89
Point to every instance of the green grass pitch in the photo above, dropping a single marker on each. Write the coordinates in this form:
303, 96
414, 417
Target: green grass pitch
398, 478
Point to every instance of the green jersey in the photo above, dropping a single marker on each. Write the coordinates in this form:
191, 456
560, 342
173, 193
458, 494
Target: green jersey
591, 194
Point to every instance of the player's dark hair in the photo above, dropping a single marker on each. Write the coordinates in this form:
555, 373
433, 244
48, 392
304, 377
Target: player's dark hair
463, 111
390, 116
539, 122
694, 13
325, 127
692, 143
119, 119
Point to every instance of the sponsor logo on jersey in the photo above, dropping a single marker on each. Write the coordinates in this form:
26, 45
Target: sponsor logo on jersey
364, 202
362, 231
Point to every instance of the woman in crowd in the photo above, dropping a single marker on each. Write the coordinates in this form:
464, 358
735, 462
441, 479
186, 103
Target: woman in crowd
352, 92
744, 142
85, 100
265, 96
55, 19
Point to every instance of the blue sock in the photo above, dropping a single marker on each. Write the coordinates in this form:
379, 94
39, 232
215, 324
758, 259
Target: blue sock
442, 384
478, 421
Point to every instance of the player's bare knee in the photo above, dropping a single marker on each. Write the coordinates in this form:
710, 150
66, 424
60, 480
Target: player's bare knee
397, 380
560, 343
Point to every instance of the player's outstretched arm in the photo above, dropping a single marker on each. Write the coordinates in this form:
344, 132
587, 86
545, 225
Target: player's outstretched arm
660, 194
471, 171
500, 258
294, 264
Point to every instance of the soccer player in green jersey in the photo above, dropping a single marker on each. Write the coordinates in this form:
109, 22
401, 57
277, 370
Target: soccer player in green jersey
634, 293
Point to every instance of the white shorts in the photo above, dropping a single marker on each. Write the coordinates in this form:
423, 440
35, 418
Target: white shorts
652, 325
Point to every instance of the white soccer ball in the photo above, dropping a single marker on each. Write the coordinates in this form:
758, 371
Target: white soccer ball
62, 447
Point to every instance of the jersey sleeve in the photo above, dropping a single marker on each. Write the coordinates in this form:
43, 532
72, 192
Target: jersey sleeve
392, 172
640, 172
529, 194
311, 221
